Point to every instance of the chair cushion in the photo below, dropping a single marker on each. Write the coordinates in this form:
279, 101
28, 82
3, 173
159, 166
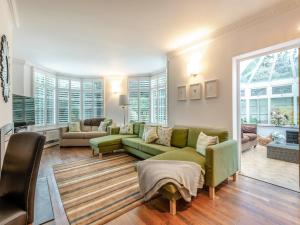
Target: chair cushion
245, 139
155, 149
179, 137
109, 140
132, 142
11, 214
251, 136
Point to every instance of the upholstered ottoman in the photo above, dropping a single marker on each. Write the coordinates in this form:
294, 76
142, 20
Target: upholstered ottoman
107, 144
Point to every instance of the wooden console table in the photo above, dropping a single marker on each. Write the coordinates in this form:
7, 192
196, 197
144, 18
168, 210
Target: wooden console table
284, 152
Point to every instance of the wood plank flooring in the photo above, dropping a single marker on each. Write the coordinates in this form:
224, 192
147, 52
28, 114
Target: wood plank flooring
246, 201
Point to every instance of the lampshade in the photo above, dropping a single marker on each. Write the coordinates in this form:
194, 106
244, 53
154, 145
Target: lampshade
123, 100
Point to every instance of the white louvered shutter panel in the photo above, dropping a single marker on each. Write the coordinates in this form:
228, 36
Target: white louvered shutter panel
63, 100
39, 94
75, 100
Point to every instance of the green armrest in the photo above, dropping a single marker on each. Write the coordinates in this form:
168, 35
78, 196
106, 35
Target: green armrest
113, 130
221, 162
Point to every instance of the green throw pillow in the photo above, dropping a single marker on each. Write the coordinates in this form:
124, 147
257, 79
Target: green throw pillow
74, 127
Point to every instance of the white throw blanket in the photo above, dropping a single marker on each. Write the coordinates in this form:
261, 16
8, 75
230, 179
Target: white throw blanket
186, 176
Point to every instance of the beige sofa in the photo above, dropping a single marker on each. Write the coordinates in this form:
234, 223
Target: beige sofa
89, 130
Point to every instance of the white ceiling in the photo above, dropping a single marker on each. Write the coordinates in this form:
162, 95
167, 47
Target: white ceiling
113, 37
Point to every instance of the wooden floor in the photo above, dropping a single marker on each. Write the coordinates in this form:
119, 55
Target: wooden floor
246, 201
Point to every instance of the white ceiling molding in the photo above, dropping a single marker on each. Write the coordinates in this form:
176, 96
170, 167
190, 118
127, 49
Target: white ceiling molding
277, 9
14, 12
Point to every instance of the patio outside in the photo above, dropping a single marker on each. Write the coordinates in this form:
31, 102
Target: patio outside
270, 100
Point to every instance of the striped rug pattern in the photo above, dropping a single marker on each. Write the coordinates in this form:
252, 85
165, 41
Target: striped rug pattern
96, 191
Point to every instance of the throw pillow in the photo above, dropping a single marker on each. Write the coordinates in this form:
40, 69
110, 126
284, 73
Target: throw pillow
126, 129
103, 126
203, 141
74, 127
150, 134
164, 136
148, 127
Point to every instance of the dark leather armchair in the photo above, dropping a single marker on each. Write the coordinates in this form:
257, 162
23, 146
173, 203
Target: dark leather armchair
18, 178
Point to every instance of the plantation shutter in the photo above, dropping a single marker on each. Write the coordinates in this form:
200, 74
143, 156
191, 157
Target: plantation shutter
39, 93
75, 100
93, 98
63, 100
98, 98
139, 99
50, 99
159, 99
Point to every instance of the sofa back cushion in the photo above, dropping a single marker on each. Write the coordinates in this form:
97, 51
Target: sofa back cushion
136, 127
194, 133
179, 137
141, 130
93, 122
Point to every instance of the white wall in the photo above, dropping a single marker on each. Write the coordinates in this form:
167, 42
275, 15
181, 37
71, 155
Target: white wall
22, 78
112, 108
216, 62
6, 27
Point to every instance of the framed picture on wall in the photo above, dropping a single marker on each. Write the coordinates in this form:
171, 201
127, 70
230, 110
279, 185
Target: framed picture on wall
181, 93
195, 91
211, 89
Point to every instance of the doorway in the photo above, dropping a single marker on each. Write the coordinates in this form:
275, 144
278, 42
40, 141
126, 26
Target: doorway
267, 115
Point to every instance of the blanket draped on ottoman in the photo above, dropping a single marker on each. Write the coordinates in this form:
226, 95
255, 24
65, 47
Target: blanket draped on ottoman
154, 174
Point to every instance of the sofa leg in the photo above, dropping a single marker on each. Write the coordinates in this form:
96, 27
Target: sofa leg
173, 207
100, 156
234, 177
211, 191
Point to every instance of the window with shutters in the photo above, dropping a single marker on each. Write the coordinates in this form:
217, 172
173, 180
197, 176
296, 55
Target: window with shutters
139, 99
93, 98
44, 92
159, 99
63, 93
62, 99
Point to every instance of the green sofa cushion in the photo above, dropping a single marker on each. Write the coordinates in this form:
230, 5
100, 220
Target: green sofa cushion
136, 127
183, 154
179, 137
108, 140
155, 149
132, 142
194, 133
141, 131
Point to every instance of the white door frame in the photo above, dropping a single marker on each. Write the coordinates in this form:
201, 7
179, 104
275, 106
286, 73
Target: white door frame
236, 120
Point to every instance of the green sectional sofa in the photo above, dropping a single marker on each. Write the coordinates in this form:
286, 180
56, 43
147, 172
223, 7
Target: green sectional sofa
219, 163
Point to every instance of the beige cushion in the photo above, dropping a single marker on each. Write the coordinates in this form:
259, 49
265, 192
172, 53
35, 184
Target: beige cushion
74, 126
94, 128
150, 134
126, 129
251, 136
203, 141
85, 128
83, 135
164, 136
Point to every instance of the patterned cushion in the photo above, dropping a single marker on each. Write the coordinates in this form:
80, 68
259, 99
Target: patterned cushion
150, 134
204, 141
164, 136
126, 129
74, 127
103, 126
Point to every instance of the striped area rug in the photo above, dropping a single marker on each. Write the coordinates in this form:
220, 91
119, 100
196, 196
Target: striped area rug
96, 191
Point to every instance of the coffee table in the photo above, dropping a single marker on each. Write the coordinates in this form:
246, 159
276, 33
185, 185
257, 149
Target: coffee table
284, 152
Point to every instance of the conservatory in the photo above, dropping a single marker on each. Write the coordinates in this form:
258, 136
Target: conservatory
270, 100
269, 90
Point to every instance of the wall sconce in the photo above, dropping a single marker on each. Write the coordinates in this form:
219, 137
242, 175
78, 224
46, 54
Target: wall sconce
193, 68
116, 86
